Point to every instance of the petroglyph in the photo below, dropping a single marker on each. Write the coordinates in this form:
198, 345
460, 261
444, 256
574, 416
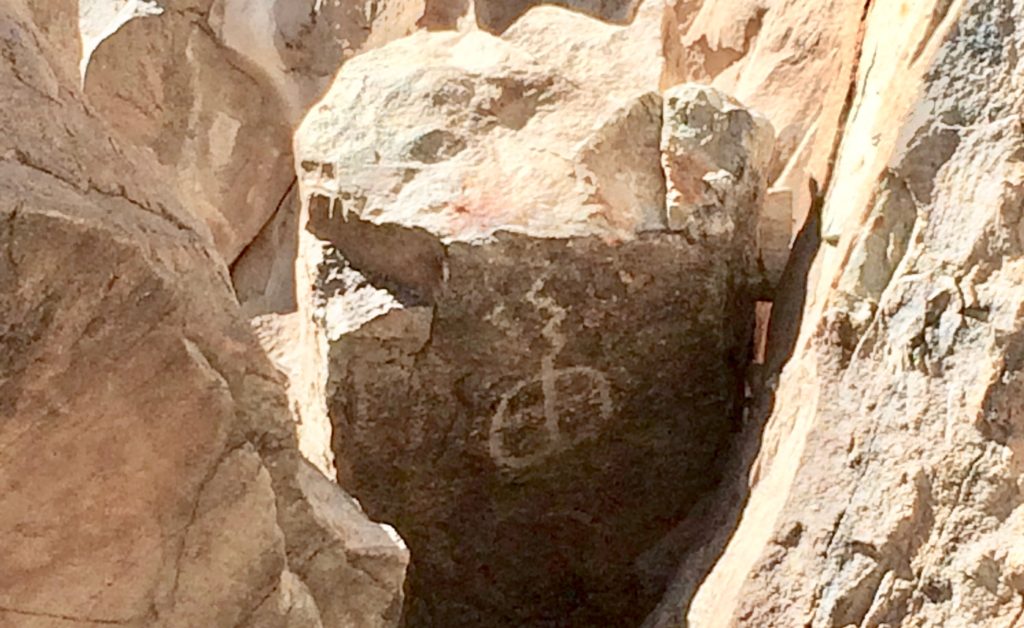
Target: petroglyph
556, 410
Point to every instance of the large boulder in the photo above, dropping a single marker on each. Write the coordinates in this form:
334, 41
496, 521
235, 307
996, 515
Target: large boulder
150, 475
528, 371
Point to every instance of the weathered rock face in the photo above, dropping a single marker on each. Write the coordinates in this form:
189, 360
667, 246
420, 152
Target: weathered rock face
166, 83
300, 45
888, 487
214, 89
794, 61
502, 289
644, 51
150, 474
498, 15
494, 272
495, 16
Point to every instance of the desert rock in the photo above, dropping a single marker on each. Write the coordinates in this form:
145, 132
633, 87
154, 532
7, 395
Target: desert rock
888, 477
622, 312
488, 379
151, 475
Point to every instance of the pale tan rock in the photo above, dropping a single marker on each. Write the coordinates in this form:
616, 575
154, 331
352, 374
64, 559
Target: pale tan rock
353, 568
516, 273
264, 274
793, 61
210, 117
215, 88
424, 162
775, 233
238, 496
291, 605
613, 59
889, 471
300, 45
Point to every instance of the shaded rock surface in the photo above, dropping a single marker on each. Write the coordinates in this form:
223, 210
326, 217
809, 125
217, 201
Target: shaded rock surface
496, 16
489, 377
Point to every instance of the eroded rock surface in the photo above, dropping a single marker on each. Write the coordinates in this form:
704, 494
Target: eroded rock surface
497, 15
207, 114
494, 276
150, 474
502, 289
889, 483
215, 88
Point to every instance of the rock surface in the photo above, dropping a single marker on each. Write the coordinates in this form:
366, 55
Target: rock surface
488, 379
501, 287
888, 484
214, 89
150, 474
497, 15
166, 83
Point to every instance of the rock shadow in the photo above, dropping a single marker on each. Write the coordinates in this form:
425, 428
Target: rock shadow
715, 519
496, 16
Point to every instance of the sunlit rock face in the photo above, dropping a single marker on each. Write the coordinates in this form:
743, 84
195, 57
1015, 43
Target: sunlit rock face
491, 266
888, 482
151, 474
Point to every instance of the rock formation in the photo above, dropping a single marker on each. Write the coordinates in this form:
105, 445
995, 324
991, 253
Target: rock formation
150, 474
491, 268
494, 275
887, 490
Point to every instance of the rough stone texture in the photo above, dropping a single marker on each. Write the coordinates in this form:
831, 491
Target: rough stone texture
214, 89
489, 377
715, 155
516, 273
300, 44
792, 60
497, 15
485, 95
166, 83
646, 52
298, 47
99, 19
888, 485
264, 274
150, 474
